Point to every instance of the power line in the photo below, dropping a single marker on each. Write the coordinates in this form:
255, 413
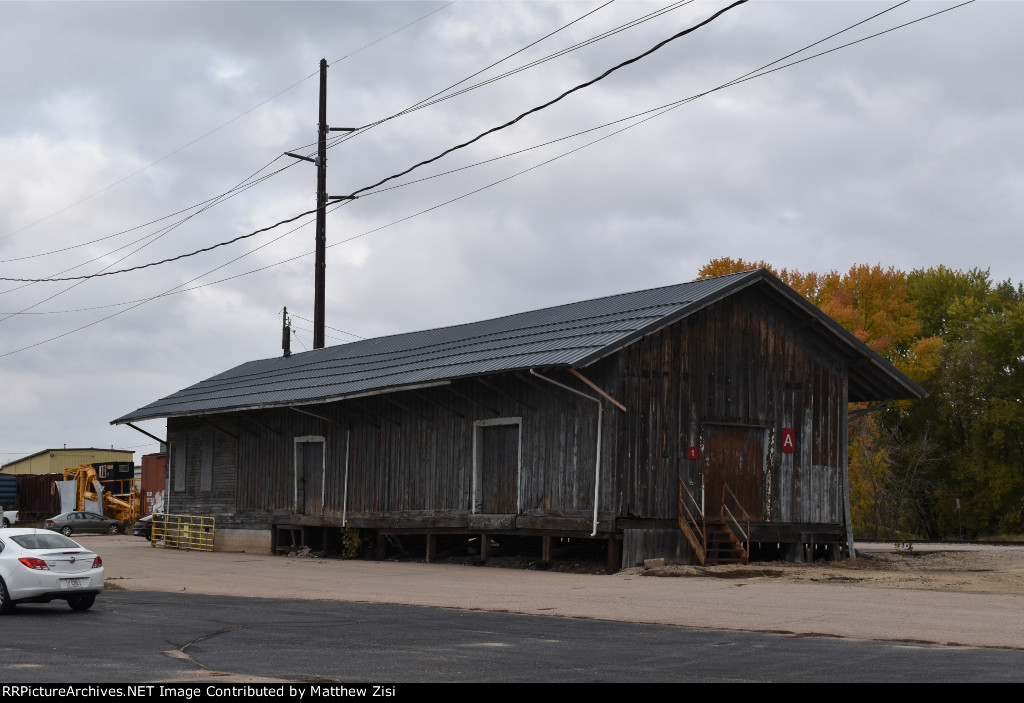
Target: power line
241, 187
303, 329
212, 131
428, 102
664, 108
377, 41
166, 261
181, 289
415, 106
412, 168
424, 101
581, 86
350, 334
152, 239
558, 54
139, 303
750, 75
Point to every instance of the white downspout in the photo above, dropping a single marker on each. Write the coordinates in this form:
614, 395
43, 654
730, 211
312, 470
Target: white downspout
600, 422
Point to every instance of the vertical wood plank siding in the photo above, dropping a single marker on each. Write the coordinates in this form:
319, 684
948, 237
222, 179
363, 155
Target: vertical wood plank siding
744, 361
209, 466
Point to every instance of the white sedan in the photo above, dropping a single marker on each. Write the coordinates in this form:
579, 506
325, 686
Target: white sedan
37, 566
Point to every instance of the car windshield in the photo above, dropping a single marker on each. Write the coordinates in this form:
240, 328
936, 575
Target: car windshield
44, 541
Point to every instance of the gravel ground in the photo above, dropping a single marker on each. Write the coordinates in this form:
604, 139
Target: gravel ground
955, 596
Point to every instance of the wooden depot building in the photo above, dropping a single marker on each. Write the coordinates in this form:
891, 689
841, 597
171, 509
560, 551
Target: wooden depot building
699, 422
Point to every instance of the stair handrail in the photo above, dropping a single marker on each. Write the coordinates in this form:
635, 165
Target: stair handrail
729, 517
696, 532
746, 516
739, 526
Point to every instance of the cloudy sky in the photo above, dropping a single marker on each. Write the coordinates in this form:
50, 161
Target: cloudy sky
131, 132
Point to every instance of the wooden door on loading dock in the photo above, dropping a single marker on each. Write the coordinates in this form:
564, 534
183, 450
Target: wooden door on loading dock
309, 475
734, 466
497, 466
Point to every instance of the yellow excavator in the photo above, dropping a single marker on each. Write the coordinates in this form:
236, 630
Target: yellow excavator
122, 498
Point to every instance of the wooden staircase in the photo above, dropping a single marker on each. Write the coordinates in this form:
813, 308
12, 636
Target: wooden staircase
723, 546
722, 541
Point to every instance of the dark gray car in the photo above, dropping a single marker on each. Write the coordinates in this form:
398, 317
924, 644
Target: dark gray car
79, 521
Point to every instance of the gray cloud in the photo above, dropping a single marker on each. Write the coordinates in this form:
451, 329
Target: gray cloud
903, 150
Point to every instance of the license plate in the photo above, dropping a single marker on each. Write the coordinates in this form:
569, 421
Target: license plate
73, 583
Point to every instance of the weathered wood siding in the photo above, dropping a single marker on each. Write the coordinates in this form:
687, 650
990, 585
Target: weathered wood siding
746, 362
408, 454
209, 455
743, 362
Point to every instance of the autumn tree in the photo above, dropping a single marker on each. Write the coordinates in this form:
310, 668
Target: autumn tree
959, 336
809, 285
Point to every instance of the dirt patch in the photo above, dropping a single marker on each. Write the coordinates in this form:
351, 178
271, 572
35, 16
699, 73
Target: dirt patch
961, 569
726, 572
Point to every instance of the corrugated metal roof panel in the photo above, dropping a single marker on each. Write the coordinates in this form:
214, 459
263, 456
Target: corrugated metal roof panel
566, 335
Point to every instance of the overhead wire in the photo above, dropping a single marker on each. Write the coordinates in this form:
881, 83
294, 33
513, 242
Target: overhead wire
329, 336
243, 186
152, 239
428, 101
335, 141
212, 131
551, 102
422, 163
748, 76
659, 110
106, 273
350, 334
429, 98
756, 73
377, 41
173, 258
295, 336
169, 291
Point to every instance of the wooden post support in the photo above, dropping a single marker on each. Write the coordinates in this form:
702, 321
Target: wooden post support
382, 546
431, 547
614, 555
545, 549
485, 545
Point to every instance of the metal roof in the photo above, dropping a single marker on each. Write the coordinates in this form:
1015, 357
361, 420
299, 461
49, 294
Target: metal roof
573, 335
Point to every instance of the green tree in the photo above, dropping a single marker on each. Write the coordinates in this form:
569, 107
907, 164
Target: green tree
975, 403
961, 338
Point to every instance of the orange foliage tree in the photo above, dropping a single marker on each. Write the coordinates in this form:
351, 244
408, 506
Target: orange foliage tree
875, 305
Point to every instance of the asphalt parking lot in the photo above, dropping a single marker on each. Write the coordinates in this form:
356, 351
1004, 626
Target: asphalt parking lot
754, 605
186, 638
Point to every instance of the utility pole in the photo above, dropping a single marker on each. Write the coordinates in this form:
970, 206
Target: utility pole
320, 266
286, 335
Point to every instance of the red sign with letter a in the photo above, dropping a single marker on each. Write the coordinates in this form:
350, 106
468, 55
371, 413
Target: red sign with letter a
788, 440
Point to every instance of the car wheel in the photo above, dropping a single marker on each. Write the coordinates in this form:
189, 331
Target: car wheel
81, 602
114, 530
66, 531
7, 523
6, 604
